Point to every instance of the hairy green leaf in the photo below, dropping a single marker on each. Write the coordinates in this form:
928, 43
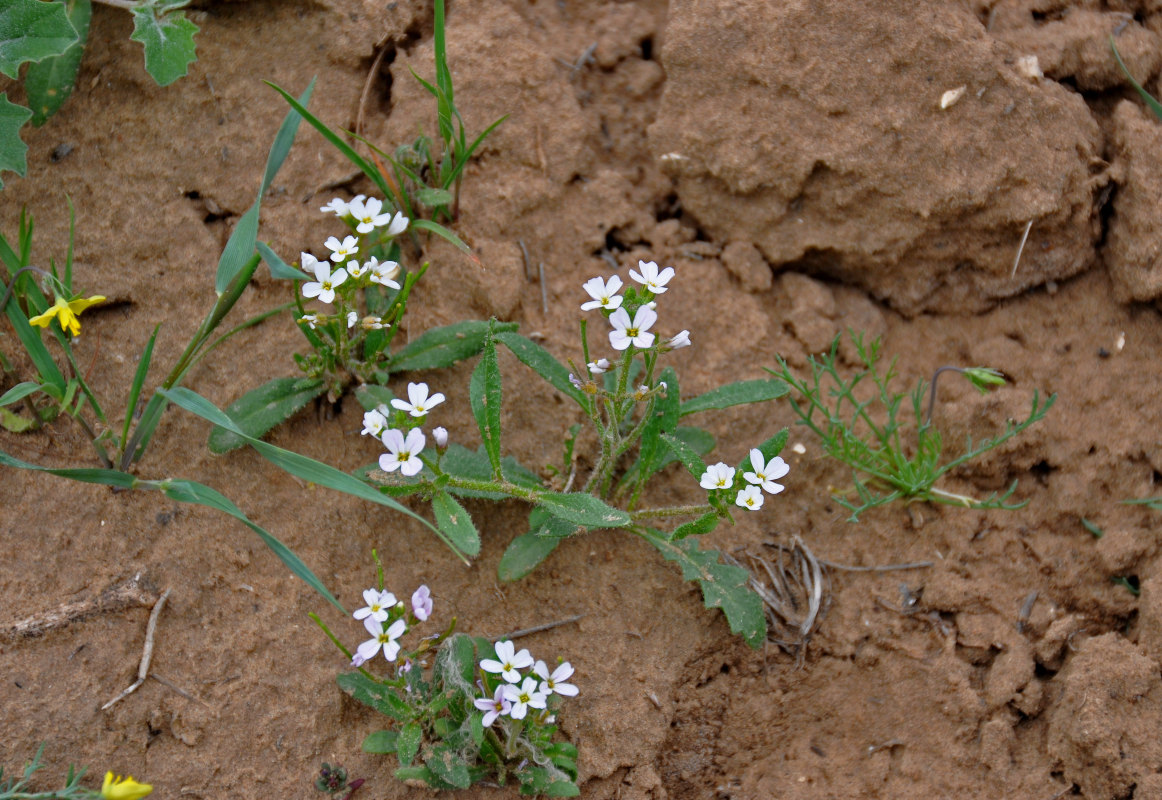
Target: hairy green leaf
704, 524
686, 454
444, 346
168, 40
48, 83
583, 509
540, 361
448, 766
31, 30
374, 695
734, 394
371, 396
524, 554
261, 409
484, 395
456, 524
279, 269
380, 742
408, 744
13, 151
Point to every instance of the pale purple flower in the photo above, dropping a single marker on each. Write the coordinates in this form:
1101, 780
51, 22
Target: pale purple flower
382, 638
604, 294
717, 476
626, 332
494, 707
402, 454
765, 474
750, 497
554, 683
420, 403
378, 605
573, 379
508, 662
523, 697
422, 603
650, 277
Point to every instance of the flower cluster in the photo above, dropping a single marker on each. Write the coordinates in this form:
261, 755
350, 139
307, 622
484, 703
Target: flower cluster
721, 478
508, 693
387, 619
405, 441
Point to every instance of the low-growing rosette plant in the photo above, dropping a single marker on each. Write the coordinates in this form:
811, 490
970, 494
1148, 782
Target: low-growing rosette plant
465, 710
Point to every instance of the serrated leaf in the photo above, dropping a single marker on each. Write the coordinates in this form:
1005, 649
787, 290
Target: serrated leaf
523, 555
444, 346
13, 151
734, 394
456, 524
380, 742
261, 409
48, 83
583, 509
169, 43
723, 586
408, 744
540, 361
703, 525
485, 397
374, 695
448, 766
31, 30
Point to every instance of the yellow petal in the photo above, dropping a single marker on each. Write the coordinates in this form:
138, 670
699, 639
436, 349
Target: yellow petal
44, 319
117, 788
81, 303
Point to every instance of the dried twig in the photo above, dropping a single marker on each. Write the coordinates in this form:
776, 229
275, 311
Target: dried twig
544, 289
536, 629
146, 653
1021, 248
167, 682
136, 591
366, 93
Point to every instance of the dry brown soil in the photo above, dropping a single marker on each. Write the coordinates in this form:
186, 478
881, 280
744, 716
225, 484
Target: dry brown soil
919, 684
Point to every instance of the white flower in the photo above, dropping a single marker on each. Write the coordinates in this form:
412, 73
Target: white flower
523, 698
717, 476
441, 437
750, 497
553, 683
381, 638
495, 706
625, 332
368, 215
765, 475
402, 454
352, 318
420, 402
650, 277
377, 607
337, 207
508, 662
341, 250
399, 224
374, 423
679, 341
604, 294
599, 366
323, 287
355, 269
311, 319
383, 273
422, 603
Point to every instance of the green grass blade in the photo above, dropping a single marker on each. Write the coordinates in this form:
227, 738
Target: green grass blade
279, 269
19, 392
464, 157
261, 409
138, 382
1154, 105
45, 366
442, 232
283, 141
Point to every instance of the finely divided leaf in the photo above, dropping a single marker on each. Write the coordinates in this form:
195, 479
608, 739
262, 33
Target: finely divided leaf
31, 30
734, 394
49, 83
169, 43
261, 409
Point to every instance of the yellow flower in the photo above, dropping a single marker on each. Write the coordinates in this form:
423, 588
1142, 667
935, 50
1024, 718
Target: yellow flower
66, 312
118, 788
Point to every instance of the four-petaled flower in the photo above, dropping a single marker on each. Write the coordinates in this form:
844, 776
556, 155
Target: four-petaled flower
420, 402
399, 224
383, 273
625, 332
717, 476
367, 214
378, 605
523, 697
493, 707
402, 454
66, 312
750, 497
650, 277
765, 474
422, 603
338, 207
341, 250
355, 269
599, 366
680, 340
554, 683
508, 664
323, 287
382, 638
117, 788
604, 294
374, 422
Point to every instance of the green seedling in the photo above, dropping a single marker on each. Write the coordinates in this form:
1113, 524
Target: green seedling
114, 787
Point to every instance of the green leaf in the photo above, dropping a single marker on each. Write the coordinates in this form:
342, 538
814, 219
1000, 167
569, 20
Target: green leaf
31, 30
410, 738
704, 524
279, 269
49, 82
138, 381
261, 409
734, 394
484, 395
444, 346
375, 695
168, 40
523, 555
447, 765
46, 368
442, 232
371, 396
456, 661
19, 392
454, 521
540, 361
380, 742
432, 197
14, 423
460, 462
583, 509
686, 454
723, 586
540, 781
664, 420
1154, 105
13, 150
542, 523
